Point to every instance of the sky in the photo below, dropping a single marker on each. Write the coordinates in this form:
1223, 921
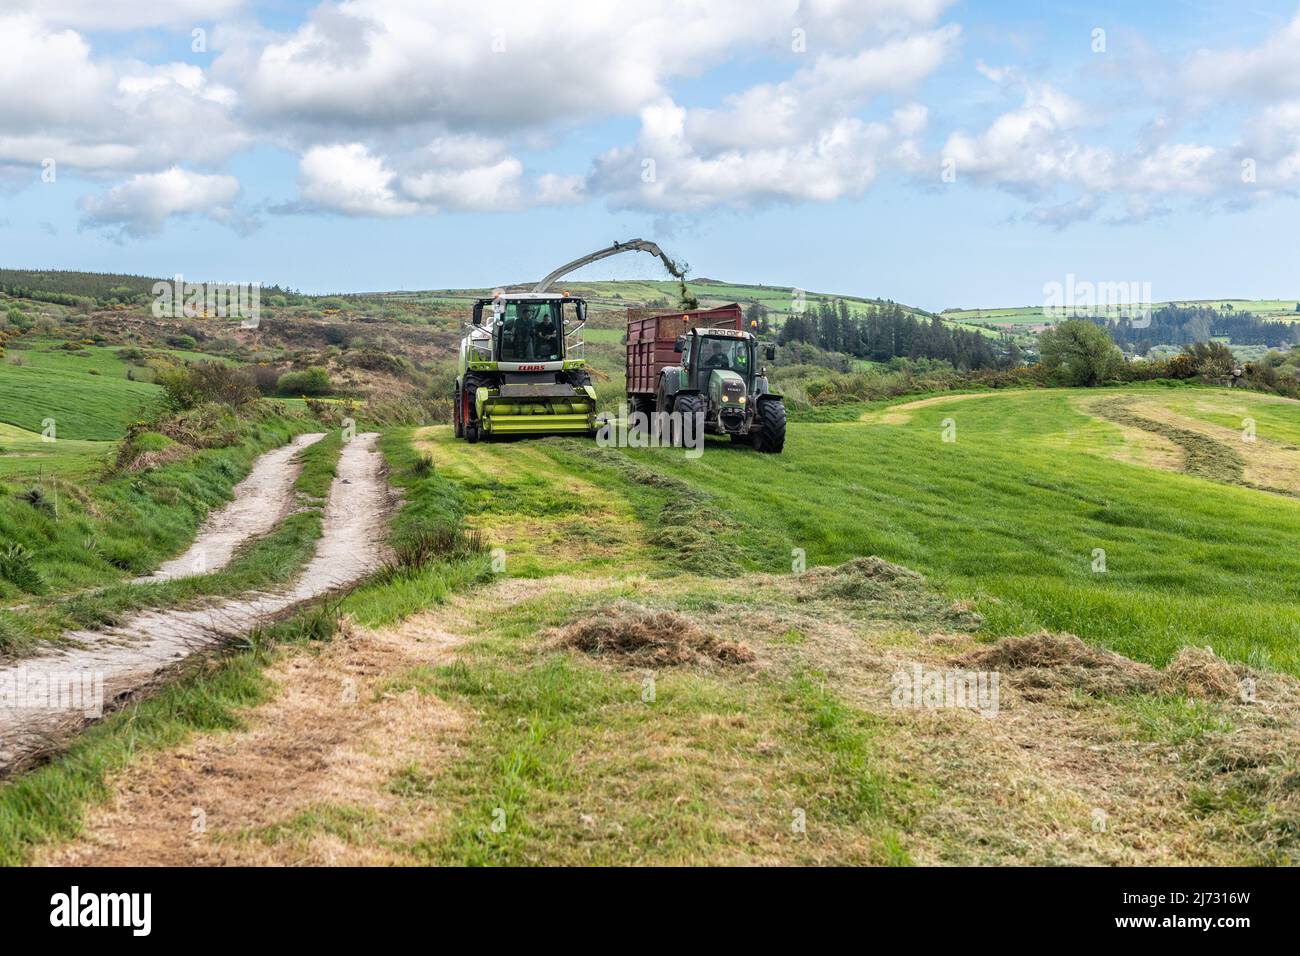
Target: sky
942, 154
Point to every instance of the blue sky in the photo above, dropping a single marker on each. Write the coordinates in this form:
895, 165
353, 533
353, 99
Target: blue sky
385, 144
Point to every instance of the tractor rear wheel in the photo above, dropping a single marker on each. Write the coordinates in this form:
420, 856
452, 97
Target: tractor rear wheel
771, 437
688, 406
458, 413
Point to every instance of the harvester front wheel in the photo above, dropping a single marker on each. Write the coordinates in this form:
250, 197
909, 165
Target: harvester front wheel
470, 427
771, 437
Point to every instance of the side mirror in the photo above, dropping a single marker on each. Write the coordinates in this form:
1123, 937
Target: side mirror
770, 352
478, 313
680, 344
582, 311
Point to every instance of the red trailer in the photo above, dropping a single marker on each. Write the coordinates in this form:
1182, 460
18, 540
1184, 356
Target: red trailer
651, 334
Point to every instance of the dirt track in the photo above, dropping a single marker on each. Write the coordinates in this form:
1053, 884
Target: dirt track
109, 664
259, 502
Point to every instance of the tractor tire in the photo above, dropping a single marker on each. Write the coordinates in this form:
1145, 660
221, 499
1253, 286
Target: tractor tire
471, 432
771, 438
686, 405
458, 414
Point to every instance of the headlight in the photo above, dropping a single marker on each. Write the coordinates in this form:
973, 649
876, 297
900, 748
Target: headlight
742, 399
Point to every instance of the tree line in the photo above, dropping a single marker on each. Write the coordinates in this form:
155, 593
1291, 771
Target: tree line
888, 331
1186, 325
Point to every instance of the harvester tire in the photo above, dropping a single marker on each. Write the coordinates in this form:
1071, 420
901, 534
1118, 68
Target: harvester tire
458, 413
685, 405
471, 428
771, 437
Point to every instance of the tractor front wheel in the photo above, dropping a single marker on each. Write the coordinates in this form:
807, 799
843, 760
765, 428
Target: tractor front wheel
688, 406
771, 437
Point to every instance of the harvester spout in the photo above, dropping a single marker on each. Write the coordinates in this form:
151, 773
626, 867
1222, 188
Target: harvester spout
632, 245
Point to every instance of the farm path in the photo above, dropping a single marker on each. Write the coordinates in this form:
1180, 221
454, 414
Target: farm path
260, 501
74, 685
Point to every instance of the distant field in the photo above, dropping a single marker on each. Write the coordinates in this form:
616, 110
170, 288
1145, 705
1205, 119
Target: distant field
83, 406
778, 300
1034, 314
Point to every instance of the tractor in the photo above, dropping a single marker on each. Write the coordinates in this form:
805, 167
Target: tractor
716, 374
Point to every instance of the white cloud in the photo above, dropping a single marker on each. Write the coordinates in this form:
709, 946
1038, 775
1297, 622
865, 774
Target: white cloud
348, 179
100, 117
140, 206
794, 141
450, 174
495, 65
1266, 71
127, 14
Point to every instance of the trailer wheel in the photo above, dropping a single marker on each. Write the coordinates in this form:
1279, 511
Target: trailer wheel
771, 438
684, 405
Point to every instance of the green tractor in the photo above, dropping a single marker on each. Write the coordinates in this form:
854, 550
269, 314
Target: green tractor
719, 376
522, 370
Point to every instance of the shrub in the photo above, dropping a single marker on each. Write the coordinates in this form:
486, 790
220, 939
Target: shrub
17, 568
203, 382
1079, 352
314, 381
265, 377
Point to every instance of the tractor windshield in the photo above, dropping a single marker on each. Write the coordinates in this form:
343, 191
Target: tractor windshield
728, 354
530, 332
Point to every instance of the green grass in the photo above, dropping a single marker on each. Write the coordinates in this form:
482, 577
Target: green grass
431, 502
570, 764
1009, 515
81, 406
27, 455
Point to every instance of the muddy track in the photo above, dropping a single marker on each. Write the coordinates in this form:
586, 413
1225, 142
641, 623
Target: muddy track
259, 502
112, 664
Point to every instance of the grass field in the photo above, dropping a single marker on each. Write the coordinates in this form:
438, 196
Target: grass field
487, 737
82, 406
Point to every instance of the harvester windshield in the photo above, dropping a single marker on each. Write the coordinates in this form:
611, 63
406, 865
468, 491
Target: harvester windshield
530, 332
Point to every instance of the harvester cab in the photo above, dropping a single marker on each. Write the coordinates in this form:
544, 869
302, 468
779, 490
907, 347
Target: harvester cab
522, 368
